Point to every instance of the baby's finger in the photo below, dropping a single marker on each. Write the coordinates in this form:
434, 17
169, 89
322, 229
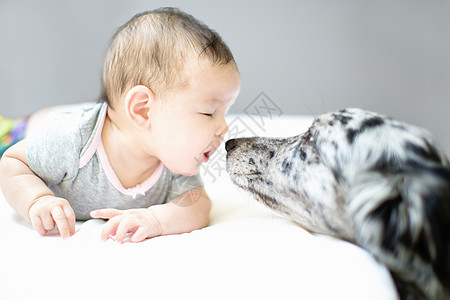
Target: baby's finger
36, 222
107, 213
47, 222
125, 226
139, 235
70, 216
61, 222
110, 228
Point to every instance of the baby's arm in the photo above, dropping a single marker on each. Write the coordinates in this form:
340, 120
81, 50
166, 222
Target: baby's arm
31, 197
185, 213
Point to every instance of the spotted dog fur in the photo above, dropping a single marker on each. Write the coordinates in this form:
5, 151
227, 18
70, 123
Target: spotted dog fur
365, 178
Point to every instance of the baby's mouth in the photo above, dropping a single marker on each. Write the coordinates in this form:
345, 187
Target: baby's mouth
208, 154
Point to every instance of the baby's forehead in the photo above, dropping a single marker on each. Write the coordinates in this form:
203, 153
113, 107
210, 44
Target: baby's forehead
195, 62
212, 82
207, 76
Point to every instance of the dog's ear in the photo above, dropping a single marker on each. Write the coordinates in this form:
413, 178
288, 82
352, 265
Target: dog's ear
437, 211
403, 219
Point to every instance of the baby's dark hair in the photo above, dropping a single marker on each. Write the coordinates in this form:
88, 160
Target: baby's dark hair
152, 49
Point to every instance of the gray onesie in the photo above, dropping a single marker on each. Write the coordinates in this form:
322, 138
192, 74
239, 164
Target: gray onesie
67, 153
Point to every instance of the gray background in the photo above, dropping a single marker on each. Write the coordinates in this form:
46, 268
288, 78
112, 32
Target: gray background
309, 57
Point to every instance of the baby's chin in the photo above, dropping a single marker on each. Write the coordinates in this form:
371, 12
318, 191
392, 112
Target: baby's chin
185, 170
189, 173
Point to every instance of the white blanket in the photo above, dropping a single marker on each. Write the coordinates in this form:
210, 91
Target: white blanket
247, 252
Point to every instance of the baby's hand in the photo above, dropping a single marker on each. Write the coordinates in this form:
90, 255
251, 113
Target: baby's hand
142, 223
49, 211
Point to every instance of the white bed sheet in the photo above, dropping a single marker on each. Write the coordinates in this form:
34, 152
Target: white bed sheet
247, 252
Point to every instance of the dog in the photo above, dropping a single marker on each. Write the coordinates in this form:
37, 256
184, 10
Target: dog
365, 178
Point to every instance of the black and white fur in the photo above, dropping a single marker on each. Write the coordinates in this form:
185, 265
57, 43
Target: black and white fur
365, 178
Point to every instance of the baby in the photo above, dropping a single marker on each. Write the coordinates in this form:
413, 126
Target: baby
133, 158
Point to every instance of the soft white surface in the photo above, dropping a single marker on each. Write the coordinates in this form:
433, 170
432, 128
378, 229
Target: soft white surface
247, 252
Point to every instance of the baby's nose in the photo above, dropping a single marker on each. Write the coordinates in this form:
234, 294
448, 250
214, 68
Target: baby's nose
222, 129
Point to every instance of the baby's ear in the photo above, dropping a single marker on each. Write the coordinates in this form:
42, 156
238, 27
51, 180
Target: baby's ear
137, 105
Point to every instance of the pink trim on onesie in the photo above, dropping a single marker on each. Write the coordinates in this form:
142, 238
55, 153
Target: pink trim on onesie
112, 177
97, 146
86, 156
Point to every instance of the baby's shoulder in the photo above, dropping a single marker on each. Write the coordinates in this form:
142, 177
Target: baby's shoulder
66, 128
69, 121
59, 140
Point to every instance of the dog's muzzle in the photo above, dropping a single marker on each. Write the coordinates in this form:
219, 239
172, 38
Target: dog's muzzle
231, 144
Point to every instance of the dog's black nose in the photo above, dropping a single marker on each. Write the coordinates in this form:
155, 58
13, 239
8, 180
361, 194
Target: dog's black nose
230, 144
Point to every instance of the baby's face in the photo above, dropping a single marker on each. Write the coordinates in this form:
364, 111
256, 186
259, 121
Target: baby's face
188, 125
